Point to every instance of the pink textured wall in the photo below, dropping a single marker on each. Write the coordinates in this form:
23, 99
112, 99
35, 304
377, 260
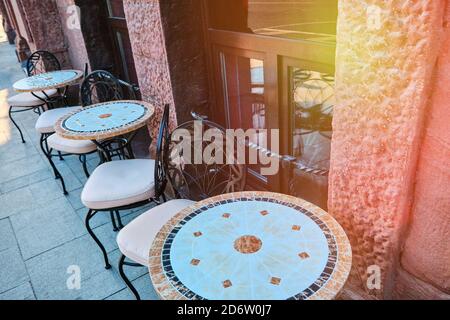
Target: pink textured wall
73, 37
383, 81
427, 249
150, 57
22, 31
45, 26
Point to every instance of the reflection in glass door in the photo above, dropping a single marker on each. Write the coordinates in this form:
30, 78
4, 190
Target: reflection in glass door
244, 98
309, 102
312, 103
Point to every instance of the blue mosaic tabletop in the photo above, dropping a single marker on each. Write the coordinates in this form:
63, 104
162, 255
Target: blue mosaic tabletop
105, 120
105, 117
49, 80
252, 248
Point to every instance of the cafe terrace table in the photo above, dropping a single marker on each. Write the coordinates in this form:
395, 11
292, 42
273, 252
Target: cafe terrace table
104, 121
47, 81
250, 246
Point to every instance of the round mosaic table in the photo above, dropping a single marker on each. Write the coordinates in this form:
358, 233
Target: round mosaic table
105, 120
47, 81
250, 246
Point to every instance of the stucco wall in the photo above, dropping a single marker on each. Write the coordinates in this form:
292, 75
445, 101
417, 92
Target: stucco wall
72, 34
383, 81
150, 57
45, 26
15, 6
427, 250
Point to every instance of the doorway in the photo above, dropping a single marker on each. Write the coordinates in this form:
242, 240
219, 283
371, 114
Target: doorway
122, 50
273, 64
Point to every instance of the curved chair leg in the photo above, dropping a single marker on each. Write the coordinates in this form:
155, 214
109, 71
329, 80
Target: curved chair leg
85, 168
113, 221
125, 278
60, 156
89, 216
58, 174
119, 219
15, 124
45, 151
48, 155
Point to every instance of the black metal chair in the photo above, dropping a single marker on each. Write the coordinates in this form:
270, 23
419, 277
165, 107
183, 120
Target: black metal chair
201, 181
126, 184
42, 61
47, 120
38, 62
99, 86
189, 182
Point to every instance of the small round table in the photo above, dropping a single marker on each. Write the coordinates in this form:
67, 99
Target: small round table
47, 81
104, 121
250, 246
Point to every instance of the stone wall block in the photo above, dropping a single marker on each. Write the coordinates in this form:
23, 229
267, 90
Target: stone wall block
73, 37
427, 249
386, 53
150, 57
45, 26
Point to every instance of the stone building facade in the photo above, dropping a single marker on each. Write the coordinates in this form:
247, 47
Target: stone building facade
390, 171
390, 158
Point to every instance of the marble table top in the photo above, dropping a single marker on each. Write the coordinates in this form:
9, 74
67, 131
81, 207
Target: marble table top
105, 120
47, 81
251, 246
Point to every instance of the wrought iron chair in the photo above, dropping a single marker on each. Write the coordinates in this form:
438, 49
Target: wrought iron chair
38, 62
189, 182
126, 184
42, 61
47, 120
99, 86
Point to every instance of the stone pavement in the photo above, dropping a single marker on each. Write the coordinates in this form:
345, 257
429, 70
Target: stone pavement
42, 232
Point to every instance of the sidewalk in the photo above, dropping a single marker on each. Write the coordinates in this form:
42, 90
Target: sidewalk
42, 232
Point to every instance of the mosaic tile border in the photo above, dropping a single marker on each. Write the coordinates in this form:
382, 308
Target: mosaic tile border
327, 286
108, 133
50, 85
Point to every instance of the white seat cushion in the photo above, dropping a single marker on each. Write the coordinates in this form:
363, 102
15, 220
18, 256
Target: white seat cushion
135, 240
28, 100
64, 145
46, 121
119, 183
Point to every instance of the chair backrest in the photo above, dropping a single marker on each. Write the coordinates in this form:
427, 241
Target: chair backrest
162, 152
100, 86
131, 91
42, 61
86, 70
212, 176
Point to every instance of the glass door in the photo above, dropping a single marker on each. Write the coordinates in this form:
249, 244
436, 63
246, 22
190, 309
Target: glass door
273, 66
308, 102
246, 103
